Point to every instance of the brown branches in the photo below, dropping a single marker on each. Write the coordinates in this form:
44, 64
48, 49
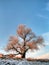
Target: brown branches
23, 31
30, 40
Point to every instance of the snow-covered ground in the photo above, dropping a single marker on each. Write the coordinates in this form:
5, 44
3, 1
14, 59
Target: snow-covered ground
21, 62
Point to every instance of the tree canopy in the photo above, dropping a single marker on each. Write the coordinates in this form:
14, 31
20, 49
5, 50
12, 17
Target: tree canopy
29, 40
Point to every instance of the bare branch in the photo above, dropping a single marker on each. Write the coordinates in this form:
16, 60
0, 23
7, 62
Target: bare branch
30, 40
31, 35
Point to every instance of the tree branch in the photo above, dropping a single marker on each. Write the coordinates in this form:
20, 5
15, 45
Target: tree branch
17, 50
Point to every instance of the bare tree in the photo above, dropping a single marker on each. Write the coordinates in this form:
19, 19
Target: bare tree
30, 40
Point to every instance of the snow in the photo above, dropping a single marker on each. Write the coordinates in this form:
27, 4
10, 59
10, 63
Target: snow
21, 62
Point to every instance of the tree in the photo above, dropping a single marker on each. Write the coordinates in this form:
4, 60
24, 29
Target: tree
28, 38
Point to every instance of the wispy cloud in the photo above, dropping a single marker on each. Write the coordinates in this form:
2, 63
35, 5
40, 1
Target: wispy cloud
42, 16
34, 54
44, 56
4, 52
46, 38
47, 6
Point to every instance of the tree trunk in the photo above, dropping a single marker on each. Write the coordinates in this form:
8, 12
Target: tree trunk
23, 56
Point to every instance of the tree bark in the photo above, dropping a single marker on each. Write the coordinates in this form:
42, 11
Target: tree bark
23, 56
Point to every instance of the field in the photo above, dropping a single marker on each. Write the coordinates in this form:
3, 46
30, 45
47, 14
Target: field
22, 62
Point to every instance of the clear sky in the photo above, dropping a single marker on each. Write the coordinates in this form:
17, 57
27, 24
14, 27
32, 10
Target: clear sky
33, 13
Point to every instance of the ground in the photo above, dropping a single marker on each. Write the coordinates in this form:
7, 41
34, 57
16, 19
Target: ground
21, 62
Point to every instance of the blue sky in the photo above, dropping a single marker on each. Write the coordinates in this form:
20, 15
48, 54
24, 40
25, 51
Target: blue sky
33, 13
